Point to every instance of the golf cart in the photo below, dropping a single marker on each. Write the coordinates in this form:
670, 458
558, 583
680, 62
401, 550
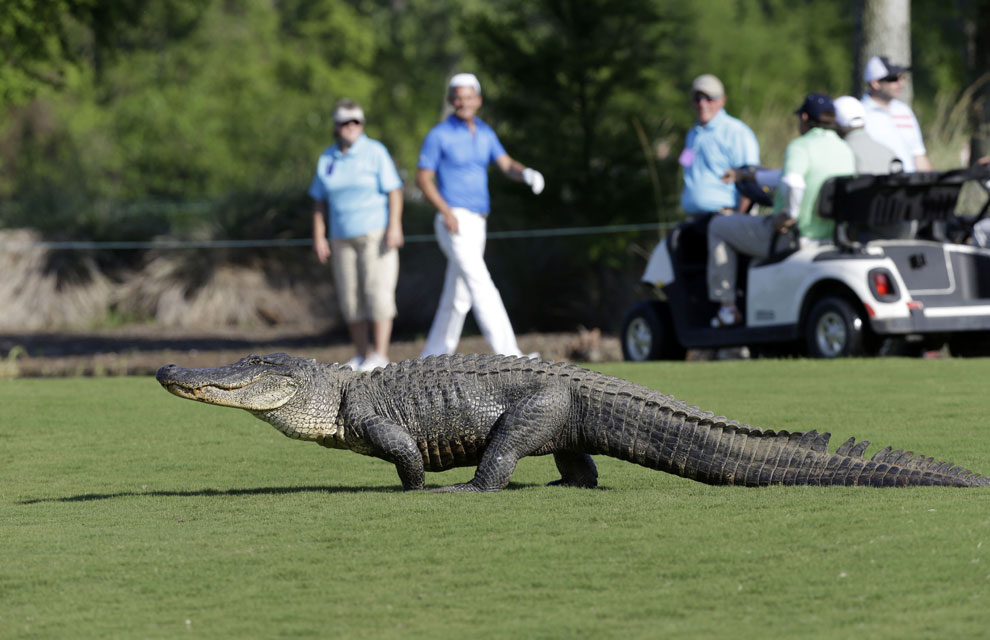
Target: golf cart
925, 288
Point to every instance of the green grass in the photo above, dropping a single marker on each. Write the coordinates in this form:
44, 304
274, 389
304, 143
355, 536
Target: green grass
126, 512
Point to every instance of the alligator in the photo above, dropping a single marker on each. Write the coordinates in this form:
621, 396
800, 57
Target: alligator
441, 412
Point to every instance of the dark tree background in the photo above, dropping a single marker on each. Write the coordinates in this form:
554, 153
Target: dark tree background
133, 119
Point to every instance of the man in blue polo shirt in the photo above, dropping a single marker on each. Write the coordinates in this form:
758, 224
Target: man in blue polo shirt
453, 175
717, 143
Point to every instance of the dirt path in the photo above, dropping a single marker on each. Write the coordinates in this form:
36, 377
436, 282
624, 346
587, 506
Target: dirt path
142, 350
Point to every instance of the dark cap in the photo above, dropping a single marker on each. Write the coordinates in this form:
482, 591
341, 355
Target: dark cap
816, 105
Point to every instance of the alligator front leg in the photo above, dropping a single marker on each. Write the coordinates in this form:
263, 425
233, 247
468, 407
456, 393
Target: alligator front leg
391, 442
528, 427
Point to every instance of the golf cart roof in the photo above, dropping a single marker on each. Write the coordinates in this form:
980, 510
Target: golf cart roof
896, 198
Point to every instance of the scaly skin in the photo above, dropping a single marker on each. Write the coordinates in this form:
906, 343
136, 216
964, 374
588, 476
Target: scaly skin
453, 411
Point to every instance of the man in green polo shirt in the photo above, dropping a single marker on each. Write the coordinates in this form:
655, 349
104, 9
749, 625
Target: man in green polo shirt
811, 159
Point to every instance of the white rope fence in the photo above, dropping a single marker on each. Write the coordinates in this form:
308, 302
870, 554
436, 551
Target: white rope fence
89, 245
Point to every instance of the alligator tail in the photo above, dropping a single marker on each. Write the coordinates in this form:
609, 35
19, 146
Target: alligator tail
694, 444
803, 459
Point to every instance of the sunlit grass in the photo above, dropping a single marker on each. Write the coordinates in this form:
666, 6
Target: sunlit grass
127, 512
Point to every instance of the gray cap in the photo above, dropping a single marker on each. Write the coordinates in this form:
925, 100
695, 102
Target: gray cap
708, 85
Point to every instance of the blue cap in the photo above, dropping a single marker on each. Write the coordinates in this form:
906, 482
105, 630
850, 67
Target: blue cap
816, 105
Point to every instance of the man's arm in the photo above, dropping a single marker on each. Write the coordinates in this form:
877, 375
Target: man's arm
520, 173
922, 163
792, 185
511, 168
745, 204
320, 243
393, 234
426, 184
732, 176
750, 148
916, 144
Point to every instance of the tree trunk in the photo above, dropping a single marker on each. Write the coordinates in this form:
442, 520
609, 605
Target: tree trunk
976, 21
887, 32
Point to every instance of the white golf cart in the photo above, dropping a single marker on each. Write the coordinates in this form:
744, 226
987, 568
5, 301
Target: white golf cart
845, 299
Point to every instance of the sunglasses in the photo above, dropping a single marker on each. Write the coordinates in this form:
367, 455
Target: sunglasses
344, 124
701, 97
897, 78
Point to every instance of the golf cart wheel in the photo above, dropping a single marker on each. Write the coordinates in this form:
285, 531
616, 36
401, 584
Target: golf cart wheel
648, 334
834, 329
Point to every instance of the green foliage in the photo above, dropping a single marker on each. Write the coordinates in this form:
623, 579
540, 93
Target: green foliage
938, 62
774, 51
243, 100
770, 55
571, 87
32, 46
567, 83
194, 99
418, 47
226, 96
215, 100
129, 119
143, 515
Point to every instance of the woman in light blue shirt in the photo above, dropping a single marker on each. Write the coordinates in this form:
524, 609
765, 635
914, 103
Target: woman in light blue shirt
357, 189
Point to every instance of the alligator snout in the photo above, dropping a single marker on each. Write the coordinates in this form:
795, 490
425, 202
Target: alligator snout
173, 379
166, 374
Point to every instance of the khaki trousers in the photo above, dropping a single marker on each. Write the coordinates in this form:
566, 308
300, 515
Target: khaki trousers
366, 274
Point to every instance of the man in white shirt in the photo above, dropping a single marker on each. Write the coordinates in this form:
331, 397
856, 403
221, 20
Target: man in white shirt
890, 121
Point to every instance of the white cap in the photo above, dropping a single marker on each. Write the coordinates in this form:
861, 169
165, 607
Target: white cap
849, 112
879, 67
708, 85
346, 114
465, 80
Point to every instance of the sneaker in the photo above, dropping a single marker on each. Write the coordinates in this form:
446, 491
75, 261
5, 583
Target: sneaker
355, 363
727, 316
374, 361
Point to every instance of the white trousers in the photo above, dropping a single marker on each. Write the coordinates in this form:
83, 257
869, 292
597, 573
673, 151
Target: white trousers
467, 285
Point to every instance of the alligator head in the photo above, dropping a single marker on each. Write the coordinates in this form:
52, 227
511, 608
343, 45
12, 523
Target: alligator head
300, 397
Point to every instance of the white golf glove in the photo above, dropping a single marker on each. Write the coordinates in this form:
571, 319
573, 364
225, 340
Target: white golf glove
534, 179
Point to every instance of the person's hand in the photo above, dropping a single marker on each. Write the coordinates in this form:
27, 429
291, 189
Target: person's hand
534, 179
782, 222
322, 248
729, 176
394, 238
450, 221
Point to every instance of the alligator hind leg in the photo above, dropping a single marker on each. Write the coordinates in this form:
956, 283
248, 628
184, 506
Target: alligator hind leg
528, 427
576, 470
